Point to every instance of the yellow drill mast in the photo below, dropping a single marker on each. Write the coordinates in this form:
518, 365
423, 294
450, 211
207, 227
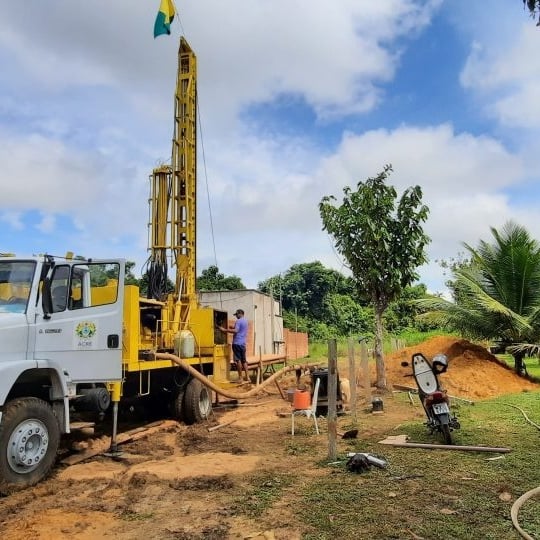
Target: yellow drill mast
173, 200
169, 319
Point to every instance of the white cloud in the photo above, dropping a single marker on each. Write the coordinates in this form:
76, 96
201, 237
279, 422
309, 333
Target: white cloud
520, 108
332, 54
47, 223
464, 179
506, 75
76, 80
12, 219
335, 55
34, 171
97, 191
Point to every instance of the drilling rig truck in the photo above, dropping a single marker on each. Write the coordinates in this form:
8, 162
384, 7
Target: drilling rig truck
74, 337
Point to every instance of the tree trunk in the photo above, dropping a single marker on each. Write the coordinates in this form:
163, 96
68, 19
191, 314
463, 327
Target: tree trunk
519, 365
379, 359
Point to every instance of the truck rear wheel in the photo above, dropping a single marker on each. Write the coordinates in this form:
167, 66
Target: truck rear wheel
176, 404
29, 438
197, 402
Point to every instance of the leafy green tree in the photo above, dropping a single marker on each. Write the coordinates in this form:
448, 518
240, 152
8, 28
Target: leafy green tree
383, 244
295, 322
211, 279
304, 288
497, 296
102, 273
100, 278
450, 266
347, 316
401, 313
317, 330
130, 278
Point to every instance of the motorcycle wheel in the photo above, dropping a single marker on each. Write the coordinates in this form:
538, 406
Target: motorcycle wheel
447, 436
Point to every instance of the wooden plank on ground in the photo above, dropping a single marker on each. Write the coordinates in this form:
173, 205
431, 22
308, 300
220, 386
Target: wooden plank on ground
102, 446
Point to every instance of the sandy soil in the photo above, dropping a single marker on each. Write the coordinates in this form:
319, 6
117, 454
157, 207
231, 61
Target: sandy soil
473, 372
187, 483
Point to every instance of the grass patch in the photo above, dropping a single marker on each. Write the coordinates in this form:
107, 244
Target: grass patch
297, 449
319, 349
136, 516
434, 493
263, 490
532, 364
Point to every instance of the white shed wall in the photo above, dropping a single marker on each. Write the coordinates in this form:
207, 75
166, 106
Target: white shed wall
260, 309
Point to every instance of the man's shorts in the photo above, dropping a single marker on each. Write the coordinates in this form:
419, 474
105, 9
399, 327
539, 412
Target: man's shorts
239, 353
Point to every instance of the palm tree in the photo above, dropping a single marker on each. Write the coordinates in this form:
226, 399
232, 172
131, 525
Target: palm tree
497, 295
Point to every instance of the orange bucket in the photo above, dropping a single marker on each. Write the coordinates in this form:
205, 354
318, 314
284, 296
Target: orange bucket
301, 399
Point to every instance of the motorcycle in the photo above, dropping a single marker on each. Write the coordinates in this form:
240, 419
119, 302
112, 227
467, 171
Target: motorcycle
434, 400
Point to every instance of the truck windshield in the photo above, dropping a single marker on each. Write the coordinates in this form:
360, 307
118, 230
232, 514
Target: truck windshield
15, 284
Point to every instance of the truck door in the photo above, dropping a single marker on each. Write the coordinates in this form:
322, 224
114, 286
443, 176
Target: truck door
83, 333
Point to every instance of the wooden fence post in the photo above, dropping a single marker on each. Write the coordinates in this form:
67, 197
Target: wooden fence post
365, 370
352, 381
260, 368
332, 392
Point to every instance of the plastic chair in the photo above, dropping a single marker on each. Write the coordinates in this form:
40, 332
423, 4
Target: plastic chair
311, 412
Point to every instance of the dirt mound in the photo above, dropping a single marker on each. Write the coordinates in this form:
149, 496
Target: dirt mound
473, 372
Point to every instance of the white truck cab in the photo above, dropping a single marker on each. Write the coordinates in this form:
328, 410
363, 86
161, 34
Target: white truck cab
60, 343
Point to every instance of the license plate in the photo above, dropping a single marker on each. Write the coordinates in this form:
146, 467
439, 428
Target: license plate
440, 408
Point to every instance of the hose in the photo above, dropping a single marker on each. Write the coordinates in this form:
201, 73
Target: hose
524, 415
197, 375
515, 509
531, 493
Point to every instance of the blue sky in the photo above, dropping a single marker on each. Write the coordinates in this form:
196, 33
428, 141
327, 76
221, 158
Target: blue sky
298, 99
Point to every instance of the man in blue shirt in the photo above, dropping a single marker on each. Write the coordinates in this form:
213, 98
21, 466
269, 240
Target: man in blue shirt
239, 331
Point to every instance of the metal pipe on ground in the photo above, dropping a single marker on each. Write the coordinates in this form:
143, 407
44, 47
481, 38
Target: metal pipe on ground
501, 450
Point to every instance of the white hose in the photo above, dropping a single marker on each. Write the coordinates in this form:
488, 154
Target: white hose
515, 509
531, 493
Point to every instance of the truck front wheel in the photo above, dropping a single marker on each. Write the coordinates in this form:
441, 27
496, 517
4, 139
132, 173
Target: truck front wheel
29, 438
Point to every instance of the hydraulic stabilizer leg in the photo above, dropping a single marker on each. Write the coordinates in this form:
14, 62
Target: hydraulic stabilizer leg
115, 395
114, 443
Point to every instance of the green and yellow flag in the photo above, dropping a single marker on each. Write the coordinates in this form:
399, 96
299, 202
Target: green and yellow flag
164, 18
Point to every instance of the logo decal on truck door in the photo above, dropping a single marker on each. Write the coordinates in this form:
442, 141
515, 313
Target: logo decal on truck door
85, 333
